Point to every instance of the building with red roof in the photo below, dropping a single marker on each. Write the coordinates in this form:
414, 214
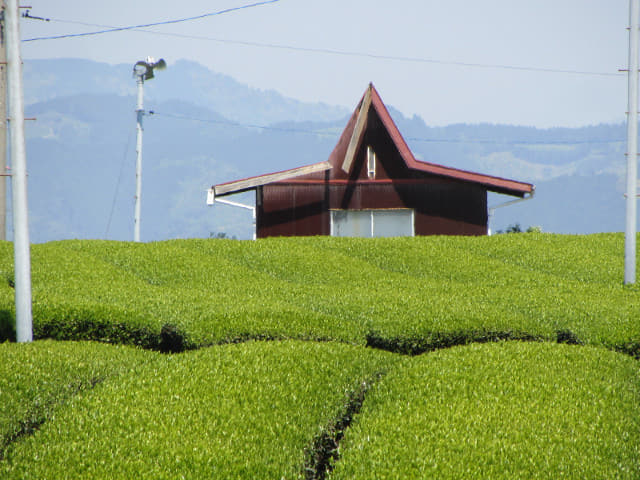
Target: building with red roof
372, 186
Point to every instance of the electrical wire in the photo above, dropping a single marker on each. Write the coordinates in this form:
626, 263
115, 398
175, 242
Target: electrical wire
118, 182
324, 51
516, 142
375, 56
413, 139
245, 125
155, 24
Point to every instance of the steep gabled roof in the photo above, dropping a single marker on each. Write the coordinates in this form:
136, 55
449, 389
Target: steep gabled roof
349, 143
342, 157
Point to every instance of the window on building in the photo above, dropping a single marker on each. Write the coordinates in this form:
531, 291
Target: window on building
371, 162
373, 223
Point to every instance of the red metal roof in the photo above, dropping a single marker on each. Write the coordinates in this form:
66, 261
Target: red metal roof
492, 183
349, 142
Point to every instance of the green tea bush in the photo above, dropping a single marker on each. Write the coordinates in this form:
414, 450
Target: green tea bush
536, 286
406, 294
195, 286
37, 378
500, 411
277, 409
234, 411
7, 309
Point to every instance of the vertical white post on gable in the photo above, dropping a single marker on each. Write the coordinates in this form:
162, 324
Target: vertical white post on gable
632, 147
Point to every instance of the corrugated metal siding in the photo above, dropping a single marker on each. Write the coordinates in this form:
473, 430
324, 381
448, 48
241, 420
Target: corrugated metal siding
452, 210
292, 211
441, 207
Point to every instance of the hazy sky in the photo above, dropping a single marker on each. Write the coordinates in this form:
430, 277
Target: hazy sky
449, 61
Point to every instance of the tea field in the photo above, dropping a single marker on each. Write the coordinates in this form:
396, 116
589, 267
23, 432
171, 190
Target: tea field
513, 356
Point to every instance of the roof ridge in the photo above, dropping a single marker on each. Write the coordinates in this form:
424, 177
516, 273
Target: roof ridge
350, 141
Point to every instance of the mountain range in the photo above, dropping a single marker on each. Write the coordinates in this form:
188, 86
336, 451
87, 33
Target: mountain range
204, 127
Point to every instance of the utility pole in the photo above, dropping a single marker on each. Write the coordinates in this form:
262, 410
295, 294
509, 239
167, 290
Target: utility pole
139, 130
3, 126
21, 244
632, 147
142, 70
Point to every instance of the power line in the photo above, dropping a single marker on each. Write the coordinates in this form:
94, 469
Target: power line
118, 182
375, 56
515, 142
413, 139
324, 51
155, 24
245, 125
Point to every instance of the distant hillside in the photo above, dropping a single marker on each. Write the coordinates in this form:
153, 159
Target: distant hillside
81, 154
182, 80
82, 167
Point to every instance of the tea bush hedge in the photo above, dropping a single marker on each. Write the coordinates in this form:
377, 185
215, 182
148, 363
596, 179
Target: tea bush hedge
275, 409
38, 377
500, 411
261, 409
405, 294
191, 286
251, 410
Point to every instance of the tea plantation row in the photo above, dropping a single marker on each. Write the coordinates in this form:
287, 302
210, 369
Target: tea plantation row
278, 409
408, 294
251, 410
262, 409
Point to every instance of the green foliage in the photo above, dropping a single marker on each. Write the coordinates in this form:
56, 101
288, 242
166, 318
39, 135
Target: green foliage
234, 411
7, 326
516, 228
7, 309
221, 235
500, 411
278, 409
426, 292
38, 377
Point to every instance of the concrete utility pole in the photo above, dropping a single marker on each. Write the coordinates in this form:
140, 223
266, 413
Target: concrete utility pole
142, 70
632, 147
21, 244
139, 129
3, 127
